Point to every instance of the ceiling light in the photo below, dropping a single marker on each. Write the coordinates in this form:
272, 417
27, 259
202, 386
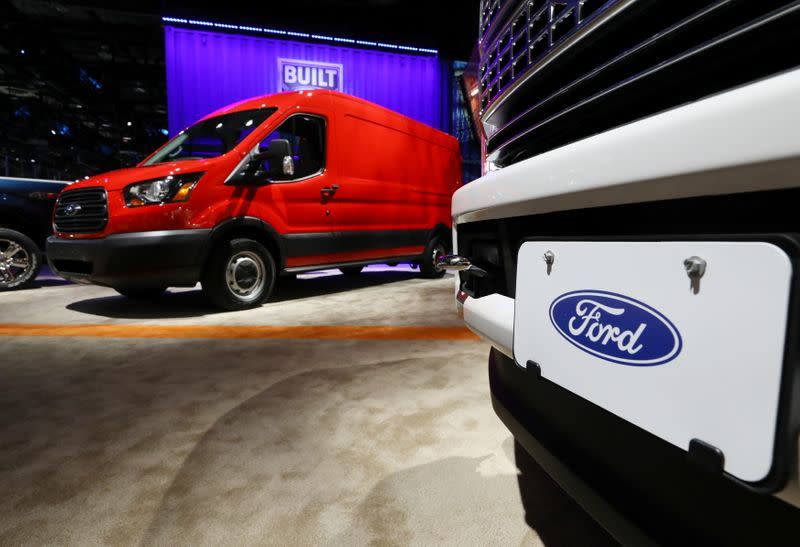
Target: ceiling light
321, 37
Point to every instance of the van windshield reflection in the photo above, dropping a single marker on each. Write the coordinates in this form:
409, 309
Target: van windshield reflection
211, 137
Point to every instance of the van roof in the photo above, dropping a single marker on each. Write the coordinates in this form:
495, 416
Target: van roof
290, 99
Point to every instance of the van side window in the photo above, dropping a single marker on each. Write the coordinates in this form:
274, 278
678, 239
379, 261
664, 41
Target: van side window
306, 136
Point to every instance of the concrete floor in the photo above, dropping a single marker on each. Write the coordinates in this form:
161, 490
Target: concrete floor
151, 440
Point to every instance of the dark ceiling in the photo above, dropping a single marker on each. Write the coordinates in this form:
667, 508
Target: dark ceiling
447, 25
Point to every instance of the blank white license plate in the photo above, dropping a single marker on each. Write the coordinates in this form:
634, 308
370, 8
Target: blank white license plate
622, 325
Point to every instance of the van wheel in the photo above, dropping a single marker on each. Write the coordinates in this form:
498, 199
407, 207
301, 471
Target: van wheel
427, 266
351, 271
239, 275
19, 260
142, 293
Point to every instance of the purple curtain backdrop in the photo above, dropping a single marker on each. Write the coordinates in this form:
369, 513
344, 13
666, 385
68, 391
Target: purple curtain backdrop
208, 70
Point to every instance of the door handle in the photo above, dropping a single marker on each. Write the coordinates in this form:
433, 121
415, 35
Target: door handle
328, 191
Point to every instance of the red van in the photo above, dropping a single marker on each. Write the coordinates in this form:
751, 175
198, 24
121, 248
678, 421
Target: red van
273, 185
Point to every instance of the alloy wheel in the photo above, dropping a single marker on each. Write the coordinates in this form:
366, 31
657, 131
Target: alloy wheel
15, 262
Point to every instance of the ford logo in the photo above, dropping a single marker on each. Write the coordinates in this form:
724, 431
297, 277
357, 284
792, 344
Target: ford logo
615, 328
72, 209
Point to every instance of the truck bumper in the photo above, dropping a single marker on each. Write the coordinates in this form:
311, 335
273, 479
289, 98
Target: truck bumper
167, 258
639, 487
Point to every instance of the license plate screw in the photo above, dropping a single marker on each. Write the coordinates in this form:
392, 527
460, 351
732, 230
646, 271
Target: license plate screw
695, 269
549, 258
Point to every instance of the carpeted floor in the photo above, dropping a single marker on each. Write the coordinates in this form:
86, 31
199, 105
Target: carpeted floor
231, 442
258, 442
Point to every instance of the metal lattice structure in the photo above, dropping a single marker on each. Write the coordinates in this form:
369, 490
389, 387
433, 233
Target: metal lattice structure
514, 36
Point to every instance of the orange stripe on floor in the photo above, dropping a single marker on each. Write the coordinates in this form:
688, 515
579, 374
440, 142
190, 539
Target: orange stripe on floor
238, 332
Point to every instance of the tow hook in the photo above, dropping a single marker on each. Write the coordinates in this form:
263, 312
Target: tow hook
455, 263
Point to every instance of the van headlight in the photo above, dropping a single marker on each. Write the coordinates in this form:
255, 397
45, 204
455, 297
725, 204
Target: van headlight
169, 189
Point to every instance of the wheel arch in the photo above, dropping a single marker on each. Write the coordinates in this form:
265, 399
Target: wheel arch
11, 219
251, 228
443, 232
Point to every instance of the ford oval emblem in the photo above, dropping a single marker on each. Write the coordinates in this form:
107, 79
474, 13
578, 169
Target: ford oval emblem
72, 209
616, 328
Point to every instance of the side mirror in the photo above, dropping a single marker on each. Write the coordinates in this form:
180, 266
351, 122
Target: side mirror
279, 154
281, 164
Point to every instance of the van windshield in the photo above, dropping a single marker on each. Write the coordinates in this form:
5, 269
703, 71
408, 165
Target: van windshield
211, 137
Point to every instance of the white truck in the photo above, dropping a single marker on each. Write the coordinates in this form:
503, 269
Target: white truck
631, 253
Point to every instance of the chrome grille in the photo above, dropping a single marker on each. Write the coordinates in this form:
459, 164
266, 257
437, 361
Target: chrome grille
489, 11
557, 71
81, 211
511, 42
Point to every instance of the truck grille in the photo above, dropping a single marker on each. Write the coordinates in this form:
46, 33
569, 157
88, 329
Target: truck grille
556, 71
81, 211
531, 30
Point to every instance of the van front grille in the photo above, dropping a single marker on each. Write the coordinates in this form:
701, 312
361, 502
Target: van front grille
81, 211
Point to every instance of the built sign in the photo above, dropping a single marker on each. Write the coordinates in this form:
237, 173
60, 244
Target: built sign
297, 75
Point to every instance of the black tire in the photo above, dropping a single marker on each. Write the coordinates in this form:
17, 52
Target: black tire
351, 271
142, 293
427, 265
20, 260
239, 275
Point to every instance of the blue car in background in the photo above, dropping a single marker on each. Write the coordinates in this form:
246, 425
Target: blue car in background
26, 209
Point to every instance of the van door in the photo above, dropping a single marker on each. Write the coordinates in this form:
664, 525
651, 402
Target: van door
379, 210
303, 199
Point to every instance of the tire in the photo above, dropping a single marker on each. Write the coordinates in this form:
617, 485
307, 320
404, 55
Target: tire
20, 260
142, 293
239, 275
427, 265
351, 271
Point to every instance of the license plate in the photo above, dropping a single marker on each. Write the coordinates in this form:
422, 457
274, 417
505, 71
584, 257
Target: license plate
623, 325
